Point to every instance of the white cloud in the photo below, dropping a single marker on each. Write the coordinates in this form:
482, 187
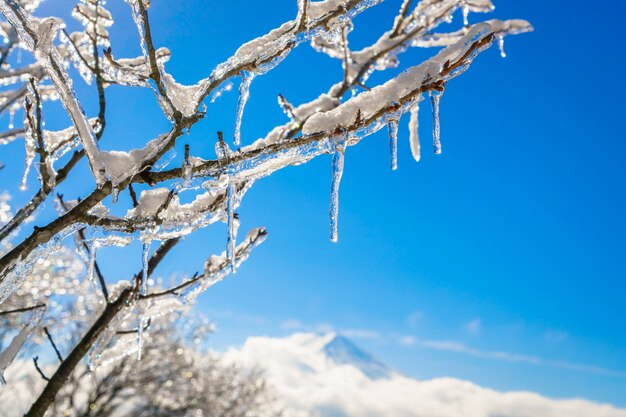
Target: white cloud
514, 357
311, 384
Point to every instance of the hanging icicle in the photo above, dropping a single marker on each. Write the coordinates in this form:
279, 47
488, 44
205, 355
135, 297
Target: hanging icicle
140, 338
11, 115
91, 267
414, 138
115, 192
501, 46
392, 127
8, 355
145, 255
244, 93
231, 195
338, 163
466, 11
435, 98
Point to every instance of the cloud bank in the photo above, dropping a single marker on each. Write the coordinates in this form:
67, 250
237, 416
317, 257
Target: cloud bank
329, 376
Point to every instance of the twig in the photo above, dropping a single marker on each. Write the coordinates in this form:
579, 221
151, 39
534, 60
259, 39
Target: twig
133, 195
400, 18
35, 360
22, 309
54, 346
34, 122
83, 242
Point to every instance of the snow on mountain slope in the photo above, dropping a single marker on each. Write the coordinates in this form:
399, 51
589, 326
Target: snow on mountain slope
329, 376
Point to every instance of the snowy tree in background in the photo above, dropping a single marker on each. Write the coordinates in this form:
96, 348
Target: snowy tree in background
176, 376
126, 317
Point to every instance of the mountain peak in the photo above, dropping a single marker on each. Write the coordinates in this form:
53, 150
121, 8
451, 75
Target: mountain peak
340, 350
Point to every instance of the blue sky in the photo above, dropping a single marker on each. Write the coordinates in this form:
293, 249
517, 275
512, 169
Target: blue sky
500, 261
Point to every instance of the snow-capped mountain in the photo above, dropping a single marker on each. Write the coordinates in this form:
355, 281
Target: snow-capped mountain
329, 376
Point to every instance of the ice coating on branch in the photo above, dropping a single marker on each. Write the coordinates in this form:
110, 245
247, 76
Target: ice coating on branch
392, 126
500, 27
244, 94
8, 355
414, 138
17, 272
217, 267
38, 36
131, 71
374, 103
60, 142
30, 143
435, 99
80, 45
337, 173
286, 107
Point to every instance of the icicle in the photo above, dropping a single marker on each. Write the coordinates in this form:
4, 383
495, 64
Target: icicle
220, 92
145, 254
187, 168
392, 127
501, 46
435, 98
11, 117
244, 93
232, 227
7, 356
140, 338
93, 248
114, 194
466, 11
338, 163
414, 138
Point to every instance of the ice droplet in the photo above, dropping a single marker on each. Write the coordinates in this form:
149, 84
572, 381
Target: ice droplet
392, 127
435, 98
466, 15
232, 228
244, 93
501, 46
338, 163
414, 138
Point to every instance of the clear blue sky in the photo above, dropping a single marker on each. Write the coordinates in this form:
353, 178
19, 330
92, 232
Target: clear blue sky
512, 241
